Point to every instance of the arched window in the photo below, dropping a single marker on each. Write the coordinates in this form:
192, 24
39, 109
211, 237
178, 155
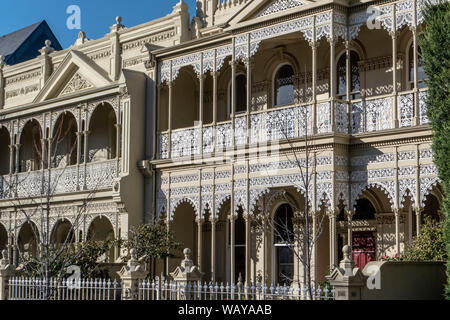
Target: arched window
364, 210
241, 94
283, 230
284, 93
421, 76
354, 76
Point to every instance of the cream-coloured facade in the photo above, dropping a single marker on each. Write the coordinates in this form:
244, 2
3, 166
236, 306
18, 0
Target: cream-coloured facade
205, 123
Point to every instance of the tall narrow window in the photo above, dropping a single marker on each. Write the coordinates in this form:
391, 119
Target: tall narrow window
284, 86
241, 94
283, 242
239, 246
421, 76
354, 76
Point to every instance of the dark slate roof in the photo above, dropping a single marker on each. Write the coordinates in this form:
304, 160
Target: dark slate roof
12, 42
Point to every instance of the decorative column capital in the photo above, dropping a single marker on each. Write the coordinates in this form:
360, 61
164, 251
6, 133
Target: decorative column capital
200, 220
249, 63
233, 64
313, 45
419, 210
396, 212
393, 34
350, 214
331, 40
213, 219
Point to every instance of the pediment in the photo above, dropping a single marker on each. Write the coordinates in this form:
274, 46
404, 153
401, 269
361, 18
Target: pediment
76, 73
267, 8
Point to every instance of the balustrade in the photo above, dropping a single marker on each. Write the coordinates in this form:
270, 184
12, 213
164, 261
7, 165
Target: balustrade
98, 175
366, 115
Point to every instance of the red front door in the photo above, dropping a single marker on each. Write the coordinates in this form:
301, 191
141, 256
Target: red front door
363, 248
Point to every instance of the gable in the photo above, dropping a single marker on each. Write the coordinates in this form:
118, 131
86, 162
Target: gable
76, 73
276, 6
265, 8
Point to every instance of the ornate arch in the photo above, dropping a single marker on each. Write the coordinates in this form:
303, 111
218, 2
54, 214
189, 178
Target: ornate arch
387, 187
24, 123
90, 219
95, 106
426, 186
56, 116
220, 200
175, 203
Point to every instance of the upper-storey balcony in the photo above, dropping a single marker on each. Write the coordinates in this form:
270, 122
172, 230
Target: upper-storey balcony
308, 76
74, 153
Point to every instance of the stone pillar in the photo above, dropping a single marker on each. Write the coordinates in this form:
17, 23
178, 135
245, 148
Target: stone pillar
131, 274
6, 272
347, 281
184, 274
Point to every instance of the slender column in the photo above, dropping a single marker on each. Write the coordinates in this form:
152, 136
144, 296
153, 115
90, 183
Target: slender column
397, 230
17, 146
348, 88
232, 219
248, 241
419, 211
314, 248
11, 159
199, 244
314, 46
333, 242
350, 215
249, 65
79, 137
332, 42
233, 83
86, 157
201, 78
169, 120
213, 248
416, 80
394, 77
215, 75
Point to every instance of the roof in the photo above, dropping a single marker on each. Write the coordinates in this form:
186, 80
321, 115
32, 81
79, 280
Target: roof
12, 42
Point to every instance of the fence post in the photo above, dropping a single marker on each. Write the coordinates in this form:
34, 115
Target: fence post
347, 280
7, 270
186, 274
130, 275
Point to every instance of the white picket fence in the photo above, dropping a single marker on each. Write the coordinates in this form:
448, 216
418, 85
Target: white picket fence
21, 288
170, 290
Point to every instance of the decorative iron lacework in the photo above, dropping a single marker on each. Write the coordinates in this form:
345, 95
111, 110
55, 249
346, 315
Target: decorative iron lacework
278, 6
423, 96
407, 187
184, 178
371, 159
372, 115
406, 155
406, 109
323, 117
428, 169
388, 187
426, 153
426, 185
407, 171
341, 117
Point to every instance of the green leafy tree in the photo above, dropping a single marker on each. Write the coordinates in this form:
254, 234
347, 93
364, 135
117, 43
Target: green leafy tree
152, 242
435, 46
430, 244
86, 255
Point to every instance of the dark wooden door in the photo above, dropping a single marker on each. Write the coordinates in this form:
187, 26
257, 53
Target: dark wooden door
364, 248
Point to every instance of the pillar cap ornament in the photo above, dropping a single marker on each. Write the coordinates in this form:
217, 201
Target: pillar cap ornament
187, 271
47, 48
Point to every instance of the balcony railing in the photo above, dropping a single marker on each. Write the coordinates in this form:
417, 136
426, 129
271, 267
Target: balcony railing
366, 115
92, 177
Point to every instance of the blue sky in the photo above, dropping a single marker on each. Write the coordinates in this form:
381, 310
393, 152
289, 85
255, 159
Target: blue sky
96, 15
